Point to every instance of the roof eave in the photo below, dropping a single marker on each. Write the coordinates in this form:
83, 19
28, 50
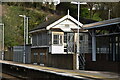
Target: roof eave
98, 26
38, 30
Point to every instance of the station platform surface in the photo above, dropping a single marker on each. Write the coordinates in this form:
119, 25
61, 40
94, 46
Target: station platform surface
78, 74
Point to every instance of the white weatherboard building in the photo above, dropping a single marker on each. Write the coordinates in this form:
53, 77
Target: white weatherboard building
56, 36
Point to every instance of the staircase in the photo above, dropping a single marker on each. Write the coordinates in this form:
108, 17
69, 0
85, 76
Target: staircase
82, 56
81, 61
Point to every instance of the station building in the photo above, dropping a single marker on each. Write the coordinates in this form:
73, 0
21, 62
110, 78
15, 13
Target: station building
54, 43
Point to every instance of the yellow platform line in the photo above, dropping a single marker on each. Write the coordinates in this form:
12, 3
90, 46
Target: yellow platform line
57, 70
76, 73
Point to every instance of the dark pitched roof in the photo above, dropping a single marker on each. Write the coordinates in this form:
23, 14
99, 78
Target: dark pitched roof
46, 23
53, 19
102, 23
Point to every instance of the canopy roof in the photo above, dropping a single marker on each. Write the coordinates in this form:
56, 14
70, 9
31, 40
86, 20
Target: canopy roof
105, 23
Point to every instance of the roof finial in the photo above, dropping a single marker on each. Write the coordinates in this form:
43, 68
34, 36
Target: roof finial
68, 12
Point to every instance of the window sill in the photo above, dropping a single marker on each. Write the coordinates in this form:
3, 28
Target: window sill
57, 44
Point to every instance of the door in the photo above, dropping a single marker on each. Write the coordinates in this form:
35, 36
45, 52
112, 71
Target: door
42, 59
35, 58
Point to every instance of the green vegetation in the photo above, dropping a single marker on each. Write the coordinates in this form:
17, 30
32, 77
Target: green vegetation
86, 14
14, 23
38, 12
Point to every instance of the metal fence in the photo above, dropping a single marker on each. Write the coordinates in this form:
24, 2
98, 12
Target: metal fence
18, 53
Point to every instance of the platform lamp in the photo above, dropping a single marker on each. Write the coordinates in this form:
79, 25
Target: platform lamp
78, 3
24, 54
25, 34
1, 24
55, 2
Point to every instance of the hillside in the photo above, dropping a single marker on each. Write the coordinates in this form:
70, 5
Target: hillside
14, 23
37, 13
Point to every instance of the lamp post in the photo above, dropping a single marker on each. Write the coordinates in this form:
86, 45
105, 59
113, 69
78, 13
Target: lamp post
25, 34
1, 24
24, 54
27, 31
77, 59
55, 2
109, 14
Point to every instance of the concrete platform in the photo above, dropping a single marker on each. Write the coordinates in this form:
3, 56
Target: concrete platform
78, 74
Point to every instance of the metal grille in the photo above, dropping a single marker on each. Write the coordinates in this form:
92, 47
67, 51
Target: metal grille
83, 49
69, 42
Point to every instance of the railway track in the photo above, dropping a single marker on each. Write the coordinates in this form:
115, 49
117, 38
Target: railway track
9, 77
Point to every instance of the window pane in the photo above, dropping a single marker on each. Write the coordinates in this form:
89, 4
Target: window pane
35, 53
81, 38
65, 37
116, 38
60, 39
56, 39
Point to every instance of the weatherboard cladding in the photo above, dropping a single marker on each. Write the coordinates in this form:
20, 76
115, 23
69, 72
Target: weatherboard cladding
102, 23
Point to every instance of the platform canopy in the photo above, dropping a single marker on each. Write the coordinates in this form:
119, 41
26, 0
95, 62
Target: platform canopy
101, 24
104, 28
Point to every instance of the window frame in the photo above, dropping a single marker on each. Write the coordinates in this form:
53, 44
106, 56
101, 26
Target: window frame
59, 39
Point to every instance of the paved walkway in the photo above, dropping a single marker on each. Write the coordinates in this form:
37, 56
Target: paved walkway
79, 74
